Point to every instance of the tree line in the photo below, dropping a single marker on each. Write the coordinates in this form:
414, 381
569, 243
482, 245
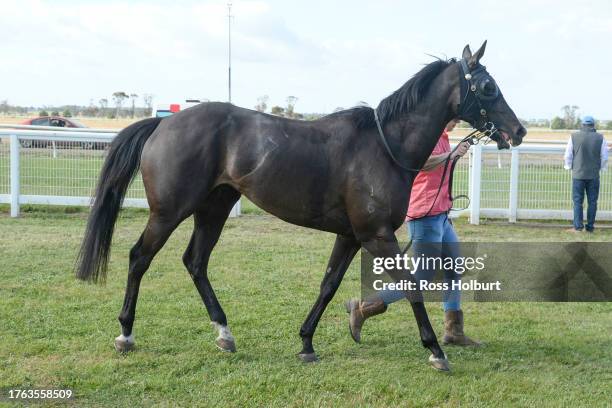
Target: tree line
104, 107
569, 119
117, 110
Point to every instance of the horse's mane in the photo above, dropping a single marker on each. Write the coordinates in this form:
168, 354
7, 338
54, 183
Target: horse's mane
402, 100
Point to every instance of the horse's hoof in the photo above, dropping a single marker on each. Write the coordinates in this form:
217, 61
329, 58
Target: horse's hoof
308, 357
225, 345
440, 364
124, 344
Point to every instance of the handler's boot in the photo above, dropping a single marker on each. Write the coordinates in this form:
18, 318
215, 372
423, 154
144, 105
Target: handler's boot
453, 330
359, 311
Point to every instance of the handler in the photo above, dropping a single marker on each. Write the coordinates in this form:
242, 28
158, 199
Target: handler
586, 155
428, 223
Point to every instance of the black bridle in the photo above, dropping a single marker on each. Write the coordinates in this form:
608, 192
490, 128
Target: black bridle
478, 92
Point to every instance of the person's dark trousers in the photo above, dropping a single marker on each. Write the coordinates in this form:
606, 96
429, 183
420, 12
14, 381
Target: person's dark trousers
579, 187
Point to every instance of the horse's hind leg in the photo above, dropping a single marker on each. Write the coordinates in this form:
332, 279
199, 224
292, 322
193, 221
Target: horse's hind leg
153, 238
344, 250
208, 223
386, 246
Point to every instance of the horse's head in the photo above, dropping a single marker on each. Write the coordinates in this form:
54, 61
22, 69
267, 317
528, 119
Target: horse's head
482, 104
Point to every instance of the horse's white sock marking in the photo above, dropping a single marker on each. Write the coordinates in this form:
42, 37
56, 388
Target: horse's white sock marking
436, 359
224, 331
129, 339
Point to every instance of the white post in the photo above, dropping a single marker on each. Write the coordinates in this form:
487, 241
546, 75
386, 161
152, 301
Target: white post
470, 161
14, 176
475, 180
235, 210
514, 185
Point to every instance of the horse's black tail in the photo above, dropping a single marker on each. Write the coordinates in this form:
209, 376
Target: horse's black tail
120, 167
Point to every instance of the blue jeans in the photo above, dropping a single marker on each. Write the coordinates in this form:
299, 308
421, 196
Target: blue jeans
434, 229
579, 186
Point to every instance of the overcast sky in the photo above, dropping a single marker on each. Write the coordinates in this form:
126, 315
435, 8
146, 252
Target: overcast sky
543, 54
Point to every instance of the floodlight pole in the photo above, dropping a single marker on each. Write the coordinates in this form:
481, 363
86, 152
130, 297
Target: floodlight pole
229, 37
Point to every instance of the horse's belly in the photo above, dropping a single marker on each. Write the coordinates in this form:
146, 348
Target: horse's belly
295, 211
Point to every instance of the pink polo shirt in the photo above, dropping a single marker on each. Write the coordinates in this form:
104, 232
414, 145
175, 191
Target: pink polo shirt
426, 185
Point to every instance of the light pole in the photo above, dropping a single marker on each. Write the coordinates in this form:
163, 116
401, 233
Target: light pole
229, 38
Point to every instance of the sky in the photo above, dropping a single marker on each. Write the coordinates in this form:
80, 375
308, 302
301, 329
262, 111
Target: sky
329, 54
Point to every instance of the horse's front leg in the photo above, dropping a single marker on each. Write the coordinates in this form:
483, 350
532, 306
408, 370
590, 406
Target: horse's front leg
386, 245
344, 250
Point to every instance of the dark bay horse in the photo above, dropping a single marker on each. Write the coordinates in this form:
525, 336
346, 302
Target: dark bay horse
333, 174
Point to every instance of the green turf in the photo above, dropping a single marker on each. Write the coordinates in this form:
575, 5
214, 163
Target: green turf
57, 332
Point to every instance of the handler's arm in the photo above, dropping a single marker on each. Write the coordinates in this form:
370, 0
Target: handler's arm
436, 160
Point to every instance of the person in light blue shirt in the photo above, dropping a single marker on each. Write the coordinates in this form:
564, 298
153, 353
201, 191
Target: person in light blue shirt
586, 155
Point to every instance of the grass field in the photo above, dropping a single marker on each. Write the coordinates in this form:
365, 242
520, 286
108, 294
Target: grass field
57, 332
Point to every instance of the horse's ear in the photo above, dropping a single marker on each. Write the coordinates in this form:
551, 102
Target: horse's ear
473, 61
467, 53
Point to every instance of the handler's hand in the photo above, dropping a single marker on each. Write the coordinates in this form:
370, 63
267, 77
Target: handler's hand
461, 150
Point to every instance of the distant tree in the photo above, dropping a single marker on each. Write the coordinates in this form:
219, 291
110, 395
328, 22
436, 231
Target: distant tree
570, 115
91, 110
43, 113
290, 110
148, 103
577, 124
67, 113
133, 97
118, 98
262, 103
557, 123
4, 107
103, 106
22, 110
278, 111
55, 113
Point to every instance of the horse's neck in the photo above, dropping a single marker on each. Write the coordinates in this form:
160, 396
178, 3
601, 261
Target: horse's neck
417, 133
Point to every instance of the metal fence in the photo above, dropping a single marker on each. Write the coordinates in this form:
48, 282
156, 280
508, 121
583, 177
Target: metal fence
527, 182
42, 165
51, 166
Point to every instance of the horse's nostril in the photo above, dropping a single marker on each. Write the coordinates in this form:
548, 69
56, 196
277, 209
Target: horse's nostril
521, 131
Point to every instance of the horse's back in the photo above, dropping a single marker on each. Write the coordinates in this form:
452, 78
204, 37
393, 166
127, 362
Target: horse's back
293, 169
